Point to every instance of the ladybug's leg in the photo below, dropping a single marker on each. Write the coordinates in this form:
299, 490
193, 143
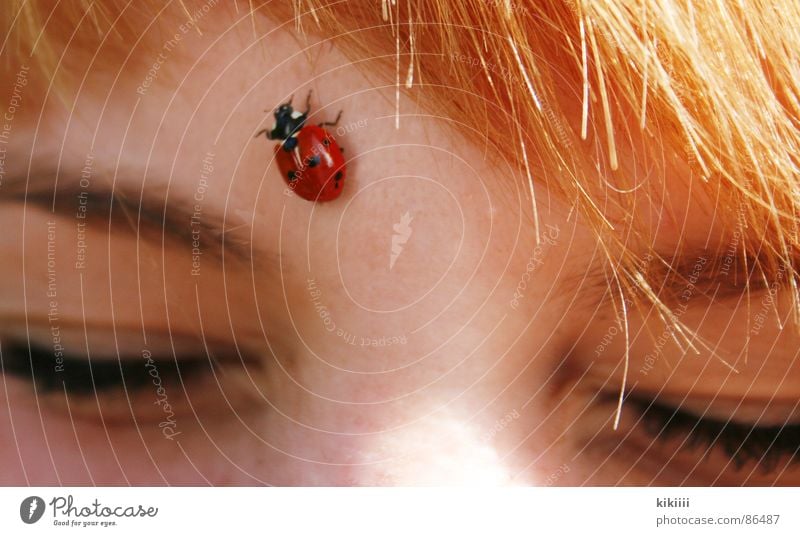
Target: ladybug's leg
332, 123
260, 132
308, 103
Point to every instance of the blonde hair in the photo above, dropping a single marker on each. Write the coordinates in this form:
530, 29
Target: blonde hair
714, 83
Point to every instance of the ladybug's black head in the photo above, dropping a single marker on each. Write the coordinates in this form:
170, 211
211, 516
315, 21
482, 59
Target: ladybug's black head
287, 122
284, 111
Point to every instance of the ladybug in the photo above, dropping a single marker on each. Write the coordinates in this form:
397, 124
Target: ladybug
308, 156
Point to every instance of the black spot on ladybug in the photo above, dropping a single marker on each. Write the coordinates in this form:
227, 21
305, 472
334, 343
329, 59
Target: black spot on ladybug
326, 142
292, 175
313, 161
338, 176
341, 149
289, 144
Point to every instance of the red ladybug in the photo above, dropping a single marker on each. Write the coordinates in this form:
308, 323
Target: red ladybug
309, 159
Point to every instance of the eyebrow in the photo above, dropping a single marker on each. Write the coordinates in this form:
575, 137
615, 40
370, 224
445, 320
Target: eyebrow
175, 217
720, 276
668, 274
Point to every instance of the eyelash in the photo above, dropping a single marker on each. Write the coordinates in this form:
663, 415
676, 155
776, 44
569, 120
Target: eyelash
82, 378
743, 444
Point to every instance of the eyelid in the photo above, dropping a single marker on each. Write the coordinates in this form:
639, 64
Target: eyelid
57, 370
743, 444
125, 392
107, 343
745, 410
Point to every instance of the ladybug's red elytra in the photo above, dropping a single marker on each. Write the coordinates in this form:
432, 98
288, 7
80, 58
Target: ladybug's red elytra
308, 156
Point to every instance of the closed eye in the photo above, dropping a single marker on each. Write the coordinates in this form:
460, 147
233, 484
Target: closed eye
81, 375
744, 444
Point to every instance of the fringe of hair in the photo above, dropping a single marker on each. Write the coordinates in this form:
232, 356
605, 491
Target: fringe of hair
713, 84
